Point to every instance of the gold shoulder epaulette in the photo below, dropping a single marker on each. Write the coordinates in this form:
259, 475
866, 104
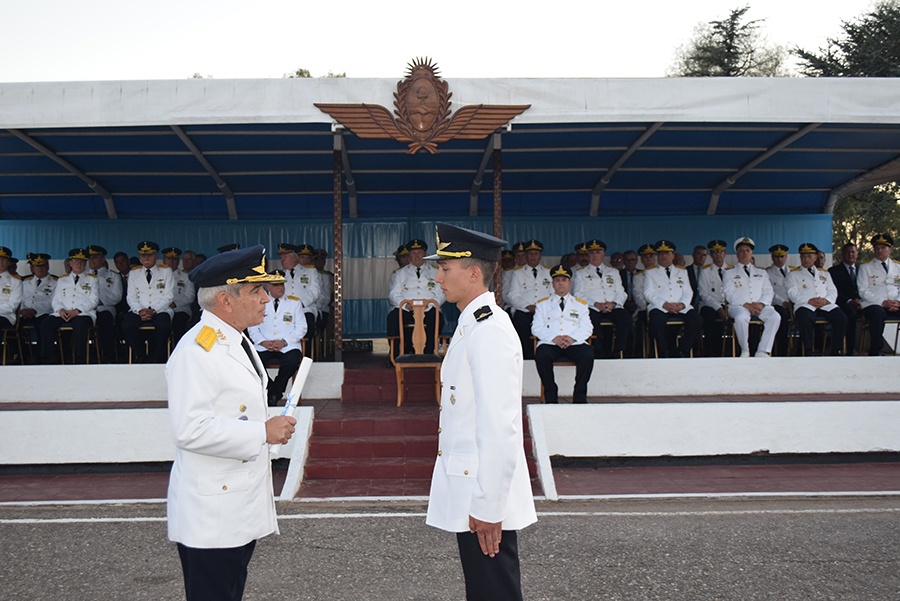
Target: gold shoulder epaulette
518, 267
729, 267
540, 300
55, 277
16, 276
164, 266
795, 269
137, 267
27, 277
206, 338
292, 297
864, 262
680, 267
707, 266
896, 261
91, 275
637, 271
581, 300
654, 267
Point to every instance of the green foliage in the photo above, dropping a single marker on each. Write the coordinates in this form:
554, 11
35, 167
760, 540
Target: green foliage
198, 76
869, 47
859, 217
305, 73
731, 47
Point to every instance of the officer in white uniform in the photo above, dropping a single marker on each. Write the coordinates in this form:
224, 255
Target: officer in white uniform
415, 281
220, 498
111, 292
518, 253
748, 292
778, 272
601, 287
301, 280
879, 290
712, 298
326, 290
278, 339
562, 326
37, 293
528, 285
74, 304
151, 290
10, 291
814, 296
480, 488
507, 264
668, 293
184, 293
401, 255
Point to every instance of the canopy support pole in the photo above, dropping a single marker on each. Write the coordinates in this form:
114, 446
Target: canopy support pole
604, 181
479, 177
337, 164
92, 183
497, 152
348, 174
223, 187
731, 179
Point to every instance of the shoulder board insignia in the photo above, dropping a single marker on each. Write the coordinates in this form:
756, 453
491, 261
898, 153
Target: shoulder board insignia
540, 300
483, 313
292, 297
680, 267
729, 267
91, 275
137, 267
15, 276
581, 300
654, 267
206, 338
55, 277
825, 270
163, 266
864, 262
795, 269
896, 261
27, 277
707, 266
639, 271
518, 267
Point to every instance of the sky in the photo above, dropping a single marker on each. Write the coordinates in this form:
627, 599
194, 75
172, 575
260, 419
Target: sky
88, 40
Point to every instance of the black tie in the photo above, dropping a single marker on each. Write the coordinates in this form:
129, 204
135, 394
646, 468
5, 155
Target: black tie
853, 272
747, 270
249, 351
562, 304
418, 272
38, 284
598, 273
667, 272
721, 276
783, 274
883, 264
76, 279
276, 304
292, 274
534, 271
148, 276
811, 272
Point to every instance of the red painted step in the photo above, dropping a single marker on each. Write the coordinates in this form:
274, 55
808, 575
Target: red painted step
329, 468
380, 386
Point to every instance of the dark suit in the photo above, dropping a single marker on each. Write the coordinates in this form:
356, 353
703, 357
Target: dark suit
693, 278
847, 291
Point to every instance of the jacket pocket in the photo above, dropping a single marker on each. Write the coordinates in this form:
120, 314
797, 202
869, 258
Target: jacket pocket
461, 464
223, 483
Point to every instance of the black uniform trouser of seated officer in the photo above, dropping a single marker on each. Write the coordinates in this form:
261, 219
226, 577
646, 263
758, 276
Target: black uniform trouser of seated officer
852, 316
522, 323
580, 354
713, 332
781, 337
622, 324
875, 315
106, 335
80, 325
393, 328
287, 364
806, 322
658, 332
180, 323
158, 341
489, 578
215, 574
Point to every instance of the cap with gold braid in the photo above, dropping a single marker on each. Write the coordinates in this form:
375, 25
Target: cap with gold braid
647, 249
235, 267
581, 248
716, 245
808, 248
79, 253
460, 243
401, 251
778, 250
883, 239
229, 247
147, 248
415, 244
665, 246
171, 252
93, 249
519, 247
5, 253
559, 271
284, 248
507, 254
595, 245
38, 258
745, 241
534, 245
305, 249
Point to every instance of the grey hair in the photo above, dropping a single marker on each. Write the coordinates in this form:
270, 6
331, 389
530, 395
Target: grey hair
206, 297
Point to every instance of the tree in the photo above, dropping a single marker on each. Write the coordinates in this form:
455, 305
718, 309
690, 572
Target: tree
859, 217
198, 76
869, 47
305, 73
729, 48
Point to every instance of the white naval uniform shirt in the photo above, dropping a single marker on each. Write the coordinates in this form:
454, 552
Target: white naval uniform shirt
602, 287
111, 288
10, 296
326, 291
710, 286
505, 283
802, 286
38, 296
660, 288
287, 323
156, 295
741, 288
551, 321
83, 295
184, 292
877, 285
409, 285
303, 283
526, 288
779, 283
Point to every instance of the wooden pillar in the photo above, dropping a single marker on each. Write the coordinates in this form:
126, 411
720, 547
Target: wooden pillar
498, 214
338, 251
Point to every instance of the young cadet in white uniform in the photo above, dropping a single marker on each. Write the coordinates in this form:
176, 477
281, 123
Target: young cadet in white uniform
748, 292
111, 292
220, 498
10, 291
712, 299
601, 287
151, 289
37, 292
305, 283
814, 295
778, 272
184, 293
480, 487
668, 293
879, 290
278, 339
528, 285
75, 303
415, 281
562, 325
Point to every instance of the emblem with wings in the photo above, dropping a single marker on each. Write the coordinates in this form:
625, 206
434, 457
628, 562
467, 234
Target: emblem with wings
422, 105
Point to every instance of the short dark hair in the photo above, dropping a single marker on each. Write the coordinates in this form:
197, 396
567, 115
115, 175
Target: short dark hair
487, 268
848, 245
120, 254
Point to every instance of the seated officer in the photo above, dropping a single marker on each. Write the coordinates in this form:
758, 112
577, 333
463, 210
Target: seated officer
814, 295
529, 284
507, 264
602, 289
712, 299
844, 278
581, 255
10, 291
182, 303
879, 289
778, 272
748, 293
278, 338
668, 294
37, 292
151, 290
75, 303
562, 327
326, 289
518, 252
416, 281
301, 280
110, 285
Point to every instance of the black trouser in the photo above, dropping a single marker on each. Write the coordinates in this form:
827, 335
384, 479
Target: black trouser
80, 326
106, 336
489, 578
310, 328
658, 331
622, 325
180, 323
781, 337
875, 315
522, 323
162, 324
852, 316
806, 324
580, 354
287, 364
215, 574
713, 332
393, 328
